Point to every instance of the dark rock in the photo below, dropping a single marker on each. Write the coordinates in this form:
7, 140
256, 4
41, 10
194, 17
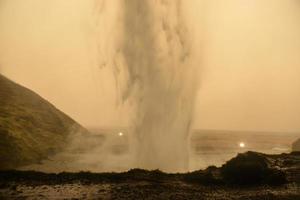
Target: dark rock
210, 176
251, 168
275, 177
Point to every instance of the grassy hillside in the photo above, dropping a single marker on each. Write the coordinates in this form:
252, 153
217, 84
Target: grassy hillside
31, 128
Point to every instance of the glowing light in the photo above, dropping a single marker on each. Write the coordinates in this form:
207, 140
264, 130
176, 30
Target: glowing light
242, 145
120, 134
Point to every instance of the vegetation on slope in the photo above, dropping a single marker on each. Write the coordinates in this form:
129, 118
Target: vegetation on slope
31, 128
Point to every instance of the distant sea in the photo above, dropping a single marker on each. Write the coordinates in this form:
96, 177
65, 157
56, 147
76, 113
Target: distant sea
214, 147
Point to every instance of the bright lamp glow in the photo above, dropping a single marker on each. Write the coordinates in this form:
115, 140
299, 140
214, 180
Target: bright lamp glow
242, 144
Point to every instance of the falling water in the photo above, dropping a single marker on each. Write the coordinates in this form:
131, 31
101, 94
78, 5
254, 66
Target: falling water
154, 57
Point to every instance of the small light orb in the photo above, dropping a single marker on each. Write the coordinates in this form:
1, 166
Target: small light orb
242, 145
120, 134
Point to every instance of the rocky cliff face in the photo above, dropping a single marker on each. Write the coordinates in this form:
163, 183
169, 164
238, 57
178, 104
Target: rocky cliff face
31, 129
296, 145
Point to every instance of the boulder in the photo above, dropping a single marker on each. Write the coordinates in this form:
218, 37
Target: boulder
252, 168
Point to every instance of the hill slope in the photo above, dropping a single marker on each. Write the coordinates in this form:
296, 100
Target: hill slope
31, 129
296, 145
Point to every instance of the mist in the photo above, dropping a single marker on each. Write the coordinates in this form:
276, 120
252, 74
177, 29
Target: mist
247, 50
160, 81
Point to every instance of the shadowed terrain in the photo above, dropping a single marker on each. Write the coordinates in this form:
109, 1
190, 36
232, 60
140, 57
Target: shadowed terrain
278, 178
31, 129
296, 145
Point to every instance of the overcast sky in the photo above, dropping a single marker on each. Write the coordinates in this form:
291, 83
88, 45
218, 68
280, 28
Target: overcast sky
248, 50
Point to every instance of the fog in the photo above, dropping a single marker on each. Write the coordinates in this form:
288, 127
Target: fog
247, 54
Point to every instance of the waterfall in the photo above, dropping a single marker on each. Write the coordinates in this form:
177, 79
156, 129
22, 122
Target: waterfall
154, 71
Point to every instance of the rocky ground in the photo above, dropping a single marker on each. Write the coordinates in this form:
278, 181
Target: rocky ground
248, 176
148, 190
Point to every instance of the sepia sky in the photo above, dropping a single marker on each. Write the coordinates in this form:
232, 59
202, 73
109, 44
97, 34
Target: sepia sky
248, 51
